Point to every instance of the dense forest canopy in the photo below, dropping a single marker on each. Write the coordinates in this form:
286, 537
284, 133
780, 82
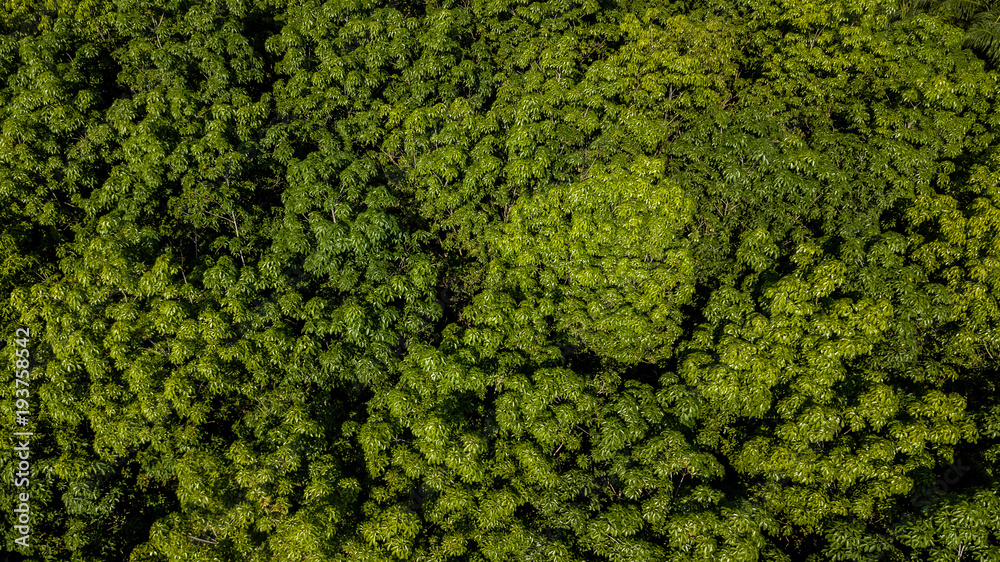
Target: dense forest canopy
503, 280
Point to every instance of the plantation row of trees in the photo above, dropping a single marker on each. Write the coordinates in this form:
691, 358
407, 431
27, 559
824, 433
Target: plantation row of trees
501, 280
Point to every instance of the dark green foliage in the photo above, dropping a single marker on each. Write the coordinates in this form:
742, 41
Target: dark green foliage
493, 281
979, 18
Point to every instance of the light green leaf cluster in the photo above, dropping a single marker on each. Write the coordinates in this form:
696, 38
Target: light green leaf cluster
604, 258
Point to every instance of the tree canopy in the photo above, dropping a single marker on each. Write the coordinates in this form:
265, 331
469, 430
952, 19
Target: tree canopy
503, 280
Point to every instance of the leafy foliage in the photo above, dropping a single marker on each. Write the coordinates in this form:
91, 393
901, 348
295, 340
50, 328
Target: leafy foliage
979, 19
504, 280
